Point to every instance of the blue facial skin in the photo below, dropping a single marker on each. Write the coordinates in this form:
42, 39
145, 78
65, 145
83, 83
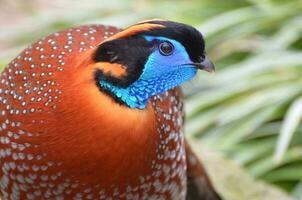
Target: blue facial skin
160, 74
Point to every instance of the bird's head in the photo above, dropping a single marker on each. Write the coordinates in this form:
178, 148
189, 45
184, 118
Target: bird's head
147, 59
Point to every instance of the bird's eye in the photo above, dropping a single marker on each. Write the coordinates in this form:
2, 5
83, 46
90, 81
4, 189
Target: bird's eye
166, 48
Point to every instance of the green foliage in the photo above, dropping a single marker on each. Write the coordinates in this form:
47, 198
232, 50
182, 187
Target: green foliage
256, 92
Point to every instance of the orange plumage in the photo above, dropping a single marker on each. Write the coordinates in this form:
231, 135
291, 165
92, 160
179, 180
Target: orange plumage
61, 138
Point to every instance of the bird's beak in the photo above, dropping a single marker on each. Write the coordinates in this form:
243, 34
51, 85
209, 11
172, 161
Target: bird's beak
206, 65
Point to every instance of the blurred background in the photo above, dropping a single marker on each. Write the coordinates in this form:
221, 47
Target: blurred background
245, 121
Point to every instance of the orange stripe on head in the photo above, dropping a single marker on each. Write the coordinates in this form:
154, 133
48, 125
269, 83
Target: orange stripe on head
114, 69
151, 20
132, 30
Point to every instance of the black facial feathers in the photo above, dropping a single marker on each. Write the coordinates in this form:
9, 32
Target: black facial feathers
132, 52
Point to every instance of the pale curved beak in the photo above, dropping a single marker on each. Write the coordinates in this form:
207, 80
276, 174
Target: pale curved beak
206, 65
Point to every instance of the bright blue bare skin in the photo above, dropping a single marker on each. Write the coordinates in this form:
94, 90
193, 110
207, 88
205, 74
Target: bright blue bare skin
161, 73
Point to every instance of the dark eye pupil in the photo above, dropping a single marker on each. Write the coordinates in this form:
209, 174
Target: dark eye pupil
166, 48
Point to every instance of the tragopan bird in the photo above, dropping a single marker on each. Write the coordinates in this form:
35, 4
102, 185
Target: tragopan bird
95, 112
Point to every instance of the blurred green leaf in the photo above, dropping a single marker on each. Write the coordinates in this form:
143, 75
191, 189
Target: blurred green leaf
291, 123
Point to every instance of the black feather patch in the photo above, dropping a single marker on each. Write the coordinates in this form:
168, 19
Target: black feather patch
131, 52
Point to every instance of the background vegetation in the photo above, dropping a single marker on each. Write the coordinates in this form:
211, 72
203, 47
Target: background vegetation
239, 112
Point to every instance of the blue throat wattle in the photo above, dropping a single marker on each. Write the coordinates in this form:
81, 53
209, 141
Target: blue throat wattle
138, 93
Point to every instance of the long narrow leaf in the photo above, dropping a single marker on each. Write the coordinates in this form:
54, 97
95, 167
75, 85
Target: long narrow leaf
291, 122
